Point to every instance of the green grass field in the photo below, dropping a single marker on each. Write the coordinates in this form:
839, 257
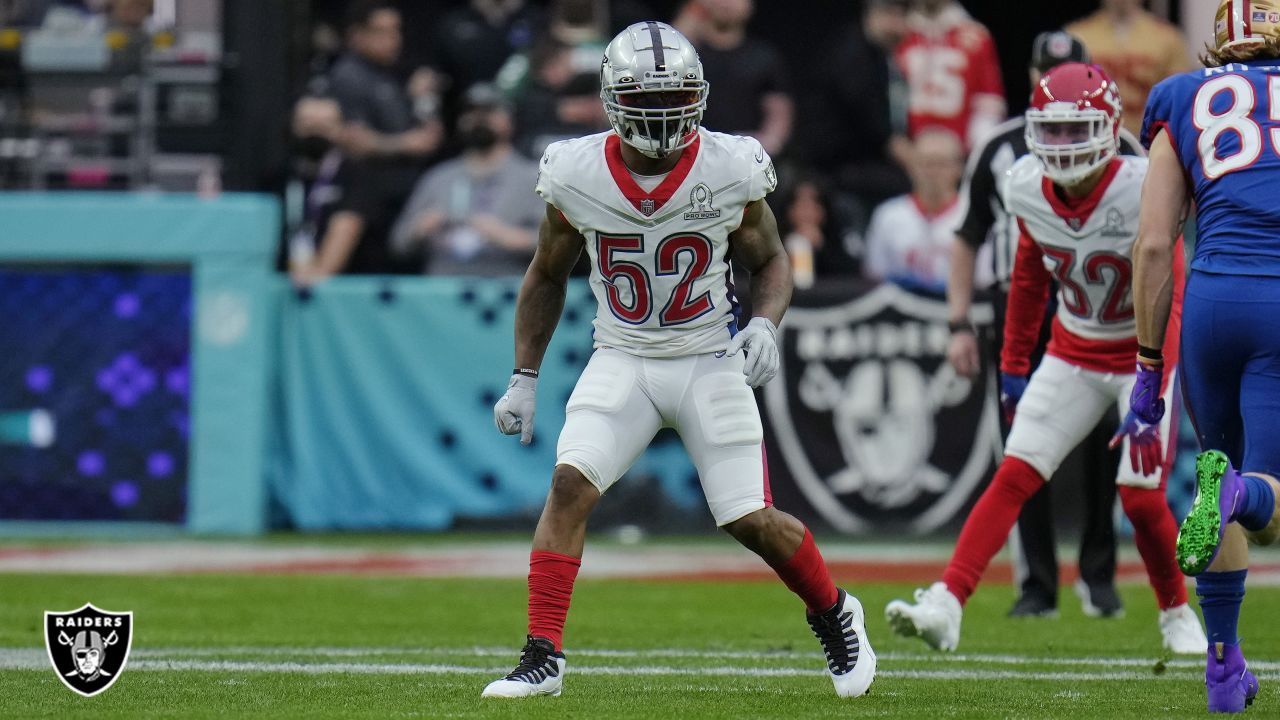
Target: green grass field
223, 646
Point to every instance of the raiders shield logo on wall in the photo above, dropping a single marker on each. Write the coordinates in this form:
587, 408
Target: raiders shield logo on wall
876, 429
88, 647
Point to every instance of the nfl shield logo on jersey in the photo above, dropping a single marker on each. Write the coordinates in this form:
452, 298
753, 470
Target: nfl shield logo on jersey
872, 422
88, 647
647, 207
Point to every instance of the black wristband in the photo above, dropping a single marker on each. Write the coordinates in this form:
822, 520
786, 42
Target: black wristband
956, 326
1152, 354
527, 372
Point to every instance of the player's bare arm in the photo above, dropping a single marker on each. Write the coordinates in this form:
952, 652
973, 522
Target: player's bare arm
541, 298
339, 242
962, 351
1164, 207
757, 245
538, 309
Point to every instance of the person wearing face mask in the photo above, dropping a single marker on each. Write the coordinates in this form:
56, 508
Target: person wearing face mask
474, 215
346, 213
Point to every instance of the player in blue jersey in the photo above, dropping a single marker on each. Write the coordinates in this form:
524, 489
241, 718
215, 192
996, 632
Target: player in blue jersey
1214, 136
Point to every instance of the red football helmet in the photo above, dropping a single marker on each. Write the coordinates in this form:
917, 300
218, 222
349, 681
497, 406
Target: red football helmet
1074, 121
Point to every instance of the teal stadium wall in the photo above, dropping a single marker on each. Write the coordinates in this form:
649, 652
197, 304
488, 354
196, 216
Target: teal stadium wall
386, 405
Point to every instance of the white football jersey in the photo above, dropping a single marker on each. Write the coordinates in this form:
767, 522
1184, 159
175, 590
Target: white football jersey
906, 244
1087, 248
659, 259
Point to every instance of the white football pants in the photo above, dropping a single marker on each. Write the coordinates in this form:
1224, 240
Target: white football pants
622, 400
1063, 403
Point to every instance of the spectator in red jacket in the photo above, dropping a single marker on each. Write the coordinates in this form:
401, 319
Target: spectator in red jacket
950, 63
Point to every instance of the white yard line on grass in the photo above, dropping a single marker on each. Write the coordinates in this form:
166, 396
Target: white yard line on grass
30, 661
170, 659
681, 653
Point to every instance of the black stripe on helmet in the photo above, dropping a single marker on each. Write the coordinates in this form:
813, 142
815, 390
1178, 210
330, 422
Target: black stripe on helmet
655, 35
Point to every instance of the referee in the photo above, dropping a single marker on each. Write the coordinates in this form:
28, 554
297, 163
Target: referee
1033, 544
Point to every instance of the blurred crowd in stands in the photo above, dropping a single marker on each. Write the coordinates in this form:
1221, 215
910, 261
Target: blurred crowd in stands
430, 168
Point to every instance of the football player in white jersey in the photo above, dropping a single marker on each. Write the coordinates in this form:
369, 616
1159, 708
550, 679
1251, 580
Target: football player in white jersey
660, 205
1076, 203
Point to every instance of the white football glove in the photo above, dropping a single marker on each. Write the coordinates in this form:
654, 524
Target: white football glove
759, 343
513, 413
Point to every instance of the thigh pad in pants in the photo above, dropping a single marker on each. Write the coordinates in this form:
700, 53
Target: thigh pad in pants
1058, 410
609, 420
719, 424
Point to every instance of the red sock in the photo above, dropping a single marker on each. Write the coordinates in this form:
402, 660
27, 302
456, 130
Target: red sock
551, 577
988, 525
805, 574
1155, 533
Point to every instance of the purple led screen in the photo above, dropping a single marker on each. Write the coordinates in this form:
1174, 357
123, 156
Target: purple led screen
106, 350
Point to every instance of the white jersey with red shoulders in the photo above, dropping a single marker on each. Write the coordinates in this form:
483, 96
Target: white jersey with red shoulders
1084, 244
659, 259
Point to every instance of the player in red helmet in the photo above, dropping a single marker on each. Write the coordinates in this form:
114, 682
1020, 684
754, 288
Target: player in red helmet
1074, 122
1076, 202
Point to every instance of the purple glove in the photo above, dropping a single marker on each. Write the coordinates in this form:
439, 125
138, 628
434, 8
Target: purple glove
1011, 389
1142, 423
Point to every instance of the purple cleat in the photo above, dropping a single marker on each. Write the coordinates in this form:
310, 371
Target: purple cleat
1218, 493
1231, 687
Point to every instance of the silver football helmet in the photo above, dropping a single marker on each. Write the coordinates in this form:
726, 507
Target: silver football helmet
653, 89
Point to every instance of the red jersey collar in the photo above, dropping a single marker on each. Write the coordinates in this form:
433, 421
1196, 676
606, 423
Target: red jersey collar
647, 203
1076, 212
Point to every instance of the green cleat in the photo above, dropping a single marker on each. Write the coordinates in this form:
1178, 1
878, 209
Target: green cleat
1218, 486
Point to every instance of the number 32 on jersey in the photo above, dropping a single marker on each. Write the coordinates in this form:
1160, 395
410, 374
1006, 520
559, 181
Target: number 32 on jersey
612, 253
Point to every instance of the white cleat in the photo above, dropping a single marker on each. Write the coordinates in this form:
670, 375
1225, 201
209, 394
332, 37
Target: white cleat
935, 617
540, 672
1182, 632
851, 662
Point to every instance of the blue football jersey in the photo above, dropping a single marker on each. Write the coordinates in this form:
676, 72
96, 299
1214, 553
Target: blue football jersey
1225, 124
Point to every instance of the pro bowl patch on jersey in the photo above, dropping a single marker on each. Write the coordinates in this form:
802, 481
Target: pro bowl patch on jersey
872, 422
88, 647
1115, 226
700, 202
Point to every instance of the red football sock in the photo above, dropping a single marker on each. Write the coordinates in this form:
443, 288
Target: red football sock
805, 574
551, 577
1155, 533
988, 525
